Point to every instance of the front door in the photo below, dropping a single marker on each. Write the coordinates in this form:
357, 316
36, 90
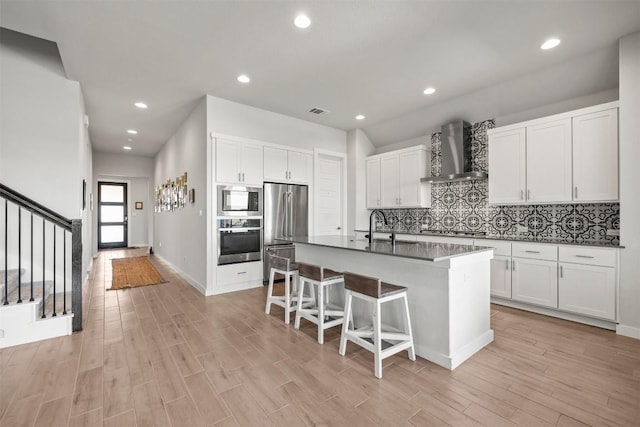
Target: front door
112, 215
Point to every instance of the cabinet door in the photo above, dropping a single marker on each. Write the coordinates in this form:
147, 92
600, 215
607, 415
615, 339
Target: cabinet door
228, 161
373, 183
595, 156
535, 281
549, 162
252, 164
275, 164
501, 276
410, 171
389, 181
588, 290
507, 161
300, 167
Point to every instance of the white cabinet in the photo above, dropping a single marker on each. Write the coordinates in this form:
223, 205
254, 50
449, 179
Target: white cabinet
238, 162
595, 156
568, 157
587, 283
534, 274
393, 179
240, 274
283, 165
507, 166
372, 166
549, 162
500, 266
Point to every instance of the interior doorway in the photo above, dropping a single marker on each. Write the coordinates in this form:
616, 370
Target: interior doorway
112, 215
330, 193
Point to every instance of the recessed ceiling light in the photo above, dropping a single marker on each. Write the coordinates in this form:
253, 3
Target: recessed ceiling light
243, 78
132, 132
550, 44
302, 21
140, 105
126, 147
130, 139
359, 117
429, 91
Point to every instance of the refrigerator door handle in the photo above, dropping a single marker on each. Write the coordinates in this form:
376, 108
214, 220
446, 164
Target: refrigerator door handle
290, 215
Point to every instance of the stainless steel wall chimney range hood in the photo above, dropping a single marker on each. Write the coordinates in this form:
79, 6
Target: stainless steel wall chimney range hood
456, 154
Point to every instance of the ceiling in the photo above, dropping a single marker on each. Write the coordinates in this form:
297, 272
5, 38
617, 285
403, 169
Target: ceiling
358, 57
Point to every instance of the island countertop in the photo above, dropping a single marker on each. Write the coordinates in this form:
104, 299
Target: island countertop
427, 251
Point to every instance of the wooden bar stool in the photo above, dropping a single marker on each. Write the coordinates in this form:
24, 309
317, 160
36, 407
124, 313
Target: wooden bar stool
382, 342
324, 314
288, 301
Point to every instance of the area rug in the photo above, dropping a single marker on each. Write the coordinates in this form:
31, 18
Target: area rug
133, 272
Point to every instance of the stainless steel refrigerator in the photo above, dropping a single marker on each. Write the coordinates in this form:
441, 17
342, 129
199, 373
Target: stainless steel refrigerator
286, 214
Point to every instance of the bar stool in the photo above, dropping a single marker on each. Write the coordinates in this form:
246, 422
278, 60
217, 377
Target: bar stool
288, 301
371, 337
323, 279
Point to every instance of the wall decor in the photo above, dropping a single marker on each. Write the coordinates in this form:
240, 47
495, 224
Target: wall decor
138, 205
192, 195
171, 195
464, 206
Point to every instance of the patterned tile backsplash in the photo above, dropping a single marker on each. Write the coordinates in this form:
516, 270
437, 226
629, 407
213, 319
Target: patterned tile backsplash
464, 206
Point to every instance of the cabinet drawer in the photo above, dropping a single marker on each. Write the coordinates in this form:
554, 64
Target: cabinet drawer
535, 251
446, 239
605, 257
239, 273
501, 248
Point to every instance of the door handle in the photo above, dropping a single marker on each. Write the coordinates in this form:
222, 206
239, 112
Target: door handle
528, 194
513, 265
521, 194
575, 191
506, 261
561, 273
339, 228
242, 176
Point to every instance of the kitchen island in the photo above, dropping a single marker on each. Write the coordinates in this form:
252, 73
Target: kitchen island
448, 288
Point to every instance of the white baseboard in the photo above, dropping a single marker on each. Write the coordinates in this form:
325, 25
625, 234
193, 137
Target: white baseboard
628, 331
235, 287
190, 280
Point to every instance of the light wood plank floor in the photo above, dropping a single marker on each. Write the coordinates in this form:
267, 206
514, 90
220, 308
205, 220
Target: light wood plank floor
165, 355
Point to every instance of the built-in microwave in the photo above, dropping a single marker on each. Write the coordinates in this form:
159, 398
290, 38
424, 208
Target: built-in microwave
238, 200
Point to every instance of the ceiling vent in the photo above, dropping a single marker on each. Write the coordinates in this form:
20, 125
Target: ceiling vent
318, 111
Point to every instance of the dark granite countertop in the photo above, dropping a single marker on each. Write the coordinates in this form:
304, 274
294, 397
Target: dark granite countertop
427, 251
595, 243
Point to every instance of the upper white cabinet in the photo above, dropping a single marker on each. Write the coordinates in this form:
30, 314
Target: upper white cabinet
595, 156
393, 179
569, 157
507, 166
372, 166
238, 162
283, 165
549, 162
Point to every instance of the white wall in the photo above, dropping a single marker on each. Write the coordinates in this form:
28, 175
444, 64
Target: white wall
137, 172
180, 237
358, 148
629, 309
231, 118
45, 147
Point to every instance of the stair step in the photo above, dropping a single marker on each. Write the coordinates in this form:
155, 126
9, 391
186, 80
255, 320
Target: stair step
25, 289
12, 275
48, 304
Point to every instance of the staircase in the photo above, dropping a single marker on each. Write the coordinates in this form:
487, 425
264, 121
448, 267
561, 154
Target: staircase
40, 279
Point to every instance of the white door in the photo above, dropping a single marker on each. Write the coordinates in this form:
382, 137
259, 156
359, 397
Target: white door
507, 166
595, 156
252, 164
275, 164
300, 167
227, 161
389, 181
535, 281
549, 162
329, 194
588, 290
501, 276
373, 183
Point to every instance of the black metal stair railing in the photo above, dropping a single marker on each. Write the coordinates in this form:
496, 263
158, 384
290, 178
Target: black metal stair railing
56, 224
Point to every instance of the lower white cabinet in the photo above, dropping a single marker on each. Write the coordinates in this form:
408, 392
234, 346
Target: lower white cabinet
535, 281
241, 273
501, 276
588, 290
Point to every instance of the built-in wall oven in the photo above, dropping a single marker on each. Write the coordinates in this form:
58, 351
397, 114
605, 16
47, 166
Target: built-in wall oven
239, 200
239, 240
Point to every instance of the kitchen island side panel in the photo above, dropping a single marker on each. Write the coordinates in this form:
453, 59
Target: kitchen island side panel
449, 309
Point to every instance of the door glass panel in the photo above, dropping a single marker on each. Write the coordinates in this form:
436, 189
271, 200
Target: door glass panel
111, 213
112, 193
111, 233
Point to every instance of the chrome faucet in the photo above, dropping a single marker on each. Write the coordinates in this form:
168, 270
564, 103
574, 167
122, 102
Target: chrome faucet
373, 212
